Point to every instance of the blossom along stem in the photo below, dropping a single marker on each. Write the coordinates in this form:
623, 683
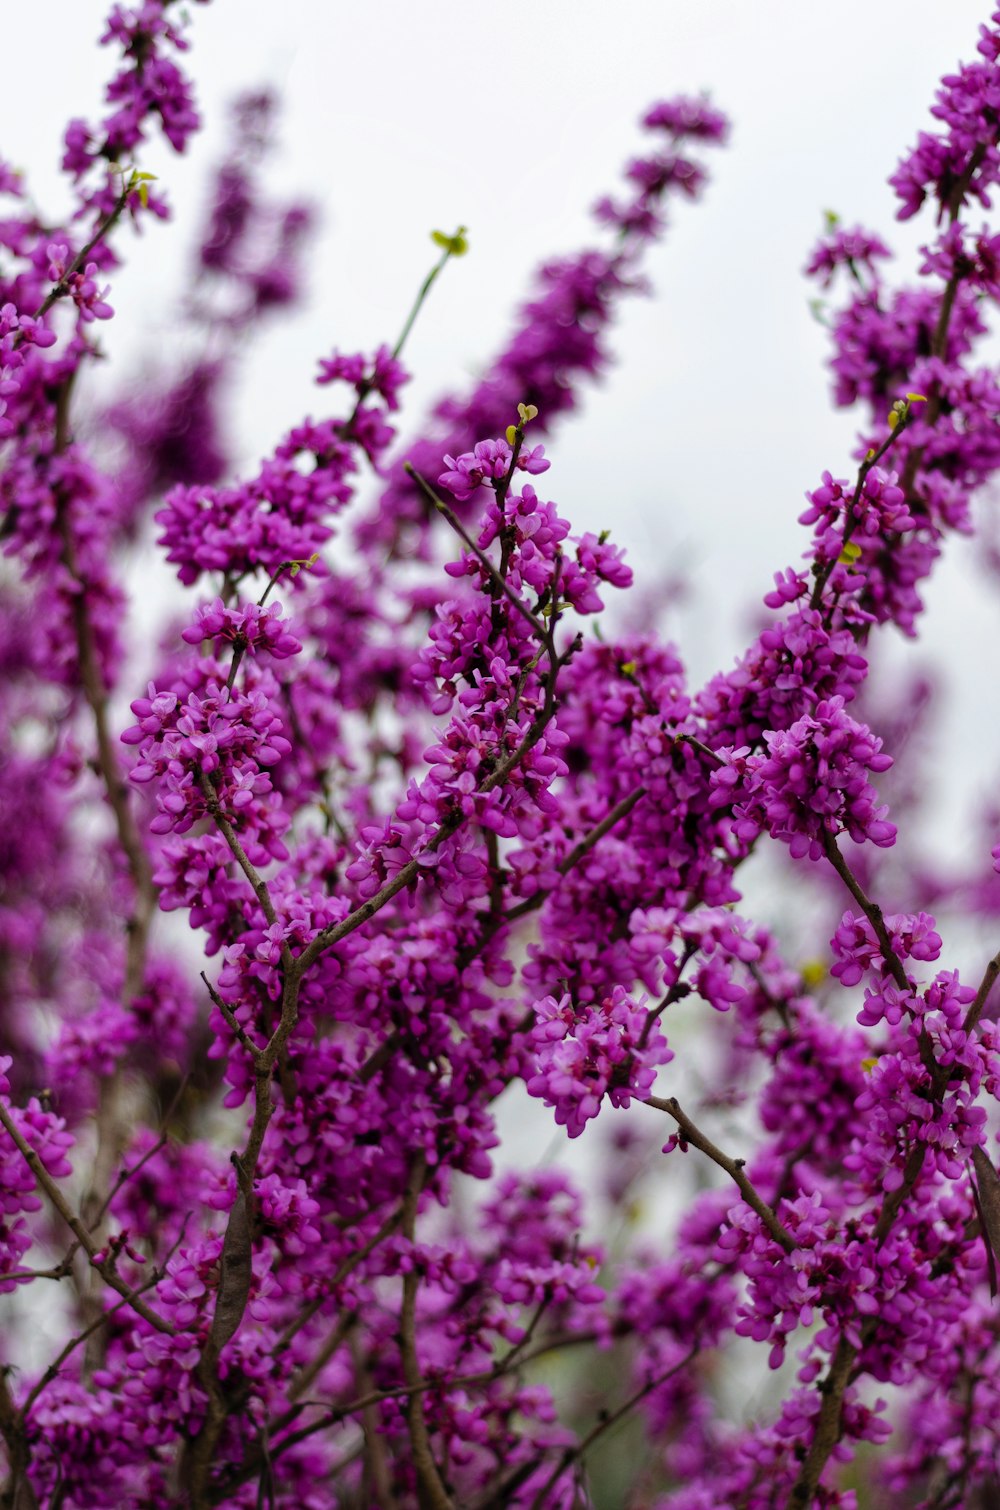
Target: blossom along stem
409, 872
203, 1445
257, 882
579, 852
559, 1343
496, 576
829, 1424
824, 571
105, 1318
60, 289
733, 1167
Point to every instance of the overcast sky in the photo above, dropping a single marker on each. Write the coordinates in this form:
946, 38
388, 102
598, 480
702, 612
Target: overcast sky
400, 117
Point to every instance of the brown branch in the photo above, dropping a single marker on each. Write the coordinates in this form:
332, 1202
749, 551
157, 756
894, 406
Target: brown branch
871, 910
828, 1427
61, 289
571, 1455
17, 1492
541, 630
986, 985
239, 1033
340, 1413
431, 1493
578, 852
80, 1231
733, 1167
239, 854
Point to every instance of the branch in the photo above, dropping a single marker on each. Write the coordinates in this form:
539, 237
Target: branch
239, 854
82, 1234
871, 910
827, 1433
571, 1455
17, 1492
541, 630
577, 853
733, 1167
240, 1034
431, 1493
53, 1369
986, 985
339, 1413
61, 289
824, 572
409, 872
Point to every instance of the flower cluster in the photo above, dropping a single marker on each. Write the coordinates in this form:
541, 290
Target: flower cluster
811, 785
961, 160
857, 950
46, 1134
580, 1055
249, 627
210, 749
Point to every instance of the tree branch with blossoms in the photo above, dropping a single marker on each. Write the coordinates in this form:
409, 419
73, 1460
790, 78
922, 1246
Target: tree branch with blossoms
453, 865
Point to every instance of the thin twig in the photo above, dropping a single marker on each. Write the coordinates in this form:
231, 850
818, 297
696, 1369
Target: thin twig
241, 1035
61, 289
572, 1455
871, 910
83, 1236
733, 1167
986, 985
541, 630
239, 854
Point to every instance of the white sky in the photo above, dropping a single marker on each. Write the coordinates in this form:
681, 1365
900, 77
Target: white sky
511, 119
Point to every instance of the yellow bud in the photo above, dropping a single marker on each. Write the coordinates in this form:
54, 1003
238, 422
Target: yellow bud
849, 554
527, 412
628, 668
893, 418
813, 972
511, 434
869, 1064
916, 398
455, 246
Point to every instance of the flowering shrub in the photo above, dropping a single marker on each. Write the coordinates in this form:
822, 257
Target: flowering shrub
452, 850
